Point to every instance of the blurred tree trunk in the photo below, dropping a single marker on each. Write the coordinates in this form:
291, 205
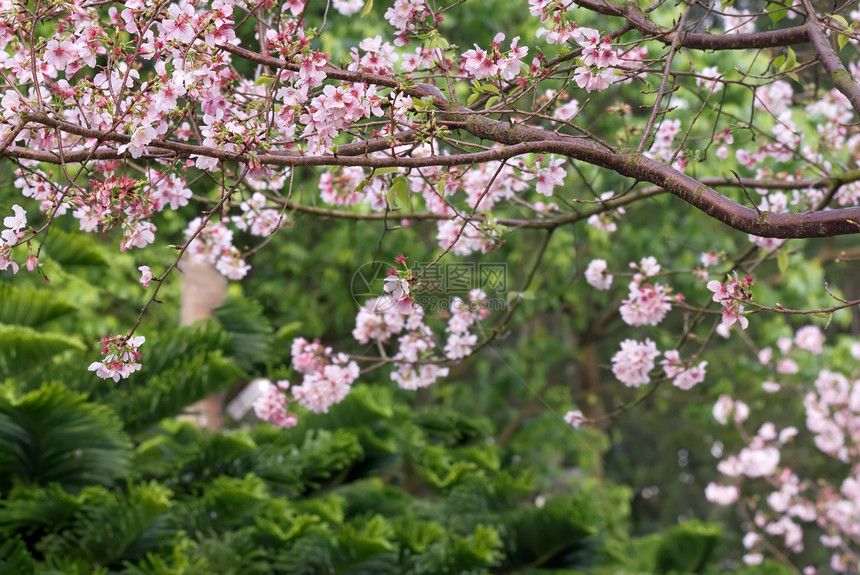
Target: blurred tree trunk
203, 290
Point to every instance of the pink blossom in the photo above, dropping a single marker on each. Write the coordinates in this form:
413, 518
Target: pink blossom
632, 364
683, 377
567, 111
723, 408
597, 275
347, 7
397, 287
574, 418
60, 54
6, 261
137, 235
721, 494
593, 79
758, 462
809, 338
145, 275
710, 259
753, 558
15, 224
121, 357
550, 177
231, 265
322, 389
645, 304
479, 64
411, 378
377, 320
271, 405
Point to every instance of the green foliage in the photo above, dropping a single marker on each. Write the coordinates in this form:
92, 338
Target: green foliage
72, 249
249, 331
167, 393
688, 547
28, 306
23, 349
14, 558
53, 434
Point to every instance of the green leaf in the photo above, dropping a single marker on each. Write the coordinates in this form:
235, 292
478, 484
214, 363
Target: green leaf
782, 261
434, 40
440, 186
383, 171
423, 104
842, 39
776, 11
839, 19
398, 193
491, 102
368, 6
778, 61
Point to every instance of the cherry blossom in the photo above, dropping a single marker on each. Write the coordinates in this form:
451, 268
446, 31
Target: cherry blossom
721, 494
121, 357
633, 362
145, 275
271, 405
597, 274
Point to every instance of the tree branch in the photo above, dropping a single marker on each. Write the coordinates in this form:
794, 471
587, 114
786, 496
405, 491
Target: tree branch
840, 77
631, 12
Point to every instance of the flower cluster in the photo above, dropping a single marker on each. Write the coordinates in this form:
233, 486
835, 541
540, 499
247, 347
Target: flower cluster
404, 15
605, 221
121, 357
556, 27
633, 362
213, 244
271, 405
328, 376
663, 146
9, 237
548, 178
258, 219
646, 304
480, 64
683, 376
378, 57
597, 275
599, 60
463, 238
730, 295
792, 508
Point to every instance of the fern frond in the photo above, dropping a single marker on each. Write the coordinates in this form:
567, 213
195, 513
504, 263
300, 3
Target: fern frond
52, 434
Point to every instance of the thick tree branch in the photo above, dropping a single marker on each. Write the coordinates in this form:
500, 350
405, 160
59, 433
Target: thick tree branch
840, 77
631, 12
520, 140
